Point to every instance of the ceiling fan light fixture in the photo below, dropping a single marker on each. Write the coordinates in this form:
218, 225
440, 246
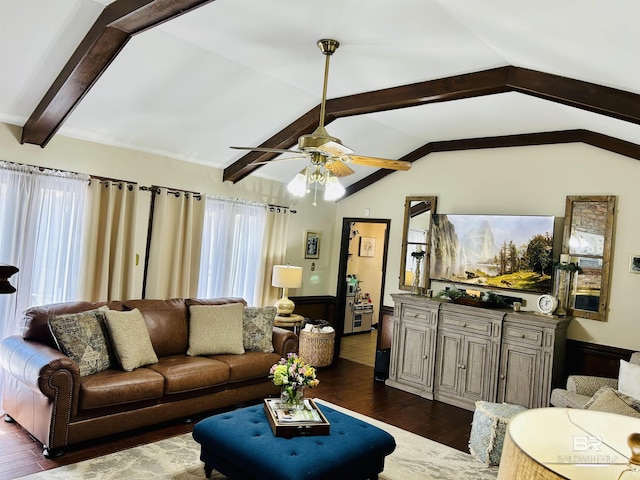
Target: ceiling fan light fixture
333, 189
298, 186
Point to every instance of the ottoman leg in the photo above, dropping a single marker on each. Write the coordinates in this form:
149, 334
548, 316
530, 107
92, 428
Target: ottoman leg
207, 471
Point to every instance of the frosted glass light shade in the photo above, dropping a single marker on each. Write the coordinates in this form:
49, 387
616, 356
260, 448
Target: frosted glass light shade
298, 186
333, 189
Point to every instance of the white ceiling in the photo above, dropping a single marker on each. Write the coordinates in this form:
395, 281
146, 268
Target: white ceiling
235, 72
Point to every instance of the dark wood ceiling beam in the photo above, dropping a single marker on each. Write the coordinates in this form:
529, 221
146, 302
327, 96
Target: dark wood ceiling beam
285, 138
528, 139
106, 38
486, 82
576, 93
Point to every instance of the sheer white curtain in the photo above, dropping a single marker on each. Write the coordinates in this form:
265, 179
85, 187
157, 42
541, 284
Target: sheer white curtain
40, 233
108, 252
232, 240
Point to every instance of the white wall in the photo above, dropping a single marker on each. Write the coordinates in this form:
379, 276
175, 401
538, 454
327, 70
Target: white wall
522, 181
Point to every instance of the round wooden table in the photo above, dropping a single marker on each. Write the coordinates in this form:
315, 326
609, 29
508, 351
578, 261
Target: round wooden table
566, 443
292, 322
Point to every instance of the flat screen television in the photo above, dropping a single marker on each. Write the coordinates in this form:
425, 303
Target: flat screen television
512, 252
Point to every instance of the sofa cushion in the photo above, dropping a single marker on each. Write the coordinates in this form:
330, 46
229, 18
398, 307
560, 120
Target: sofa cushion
248, 366
130, 337
115, 387
167, 324
183, 373
257, 328
629, 379
36, 319
215, 329
83, 337
613, 401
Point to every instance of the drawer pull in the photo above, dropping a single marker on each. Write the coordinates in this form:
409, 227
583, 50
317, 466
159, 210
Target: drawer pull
523, 336
464, 324
502, 377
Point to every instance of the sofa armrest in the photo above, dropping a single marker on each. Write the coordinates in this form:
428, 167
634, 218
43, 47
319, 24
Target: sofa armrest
40, 367
284, 341
588, 385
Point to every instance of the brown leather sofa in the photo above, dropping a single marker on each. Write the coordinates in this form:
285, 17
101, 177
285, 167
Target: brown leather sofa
47, 396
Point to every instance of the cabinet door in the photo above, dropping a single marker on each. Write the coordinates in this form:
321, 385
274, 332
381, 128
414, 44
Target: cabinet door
415, 341
519, 377
475, 368
448, 362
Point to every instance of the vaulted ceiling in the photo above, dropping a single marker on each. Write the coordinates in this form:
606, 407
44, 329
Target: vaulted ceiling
189, 78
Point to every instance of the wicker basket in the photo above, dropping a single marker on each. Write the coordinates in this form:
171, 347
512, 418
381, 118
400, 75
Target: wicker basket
316, 348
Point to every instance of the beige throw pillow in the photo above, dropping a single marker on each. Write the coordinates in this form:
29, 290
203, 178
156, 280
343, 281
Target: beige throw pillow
215, 329
130, 338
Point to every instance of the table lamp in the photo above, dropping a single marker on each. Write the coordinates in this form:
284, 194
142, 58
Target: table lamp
286, 277
5, 272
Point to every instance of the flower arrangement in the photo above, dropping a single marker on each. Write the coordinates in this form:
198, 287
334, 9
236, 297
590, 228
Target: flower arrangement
293, 372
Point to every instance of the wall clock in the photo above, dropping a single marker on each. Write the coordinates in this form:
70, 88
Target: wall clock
547, 304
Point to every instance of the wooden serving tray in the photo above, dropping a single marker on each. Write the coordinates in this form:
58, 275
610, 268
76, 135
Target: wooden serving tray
292, 423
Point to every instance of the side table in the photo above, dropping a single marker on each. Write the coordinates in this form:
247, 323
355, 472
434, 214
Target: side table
292, 321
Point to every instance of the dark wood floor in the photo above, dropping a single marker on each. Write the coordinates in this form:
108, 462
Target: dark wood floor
344, 383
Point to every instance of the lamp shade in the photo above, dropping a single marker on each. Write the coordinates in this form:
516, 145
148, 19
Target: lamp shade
5, 272
286, 276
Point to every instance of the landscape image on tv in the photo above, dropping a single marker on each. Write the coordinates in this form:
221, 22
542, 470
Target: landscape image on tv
493, 251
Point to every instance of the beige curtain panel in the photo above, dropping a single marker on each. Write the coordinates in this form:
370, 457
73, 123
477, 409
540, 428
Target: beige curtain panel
108, 268
274, 251
176, 240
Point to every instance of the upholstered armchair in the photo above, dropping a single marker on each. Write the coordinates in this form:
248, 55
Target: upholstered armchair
581, 388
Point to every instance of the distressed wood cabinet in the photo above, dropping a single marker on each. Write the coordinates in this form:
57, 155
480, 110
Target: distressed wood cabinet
414, 332
460, 354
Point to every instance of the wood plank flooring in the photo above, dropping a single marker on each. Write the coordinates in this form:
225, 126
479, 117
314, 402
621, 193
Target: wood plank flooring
344, 383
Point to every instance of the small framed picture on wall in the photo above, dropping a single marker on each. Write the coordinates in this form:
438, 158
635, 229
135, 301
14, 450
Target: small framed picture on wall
367, 247
634, 264
312, 244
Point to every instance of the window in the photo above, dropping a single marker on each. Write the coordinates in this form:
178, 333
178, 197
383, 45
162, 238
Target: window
232, 240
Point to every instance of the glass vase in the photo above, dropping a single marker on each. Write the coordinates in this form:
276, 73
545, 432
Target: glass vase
415, 287
562, 290
292, 397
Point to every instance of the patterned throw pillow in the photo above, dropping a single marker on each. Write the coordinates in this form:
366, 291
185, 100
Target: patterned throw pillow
606, 399
215, 329
130, 338
257, 328
83, 338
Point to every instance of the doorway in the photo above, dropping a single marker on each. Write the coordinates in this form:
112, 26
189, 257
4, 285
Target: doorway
361, 274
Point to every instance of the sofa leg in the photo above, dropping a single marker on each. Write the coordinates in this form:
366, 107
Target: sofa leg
50, 453
208, 471
8, 418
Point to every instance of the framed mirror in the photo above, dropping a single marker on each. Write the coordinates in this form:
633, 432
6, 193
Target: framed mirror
416, 239
588, 239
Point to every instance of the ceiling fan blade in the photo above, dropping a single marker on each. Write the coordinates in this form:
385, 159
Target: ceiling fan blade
280, 159
379, 162
335, 149
269, 150
338, 168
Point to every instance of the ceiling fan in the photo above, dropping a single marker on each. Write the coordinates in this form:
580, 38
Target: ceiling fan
326, 151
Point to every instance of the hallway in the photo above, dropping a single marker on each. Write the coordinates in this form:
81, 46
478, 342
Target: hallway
360, 348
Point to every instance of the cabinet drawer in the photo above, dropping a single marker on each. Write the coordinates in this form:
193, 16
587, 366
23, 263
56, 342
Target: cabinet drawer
468, 325
522, 335
409, 313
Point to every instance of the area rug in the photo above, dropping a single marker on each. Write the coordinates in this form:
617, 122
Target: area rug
178, 458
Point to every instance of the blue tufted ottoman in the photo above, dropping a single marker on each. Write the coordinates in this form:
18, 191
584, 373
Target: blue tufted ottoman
240, 445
